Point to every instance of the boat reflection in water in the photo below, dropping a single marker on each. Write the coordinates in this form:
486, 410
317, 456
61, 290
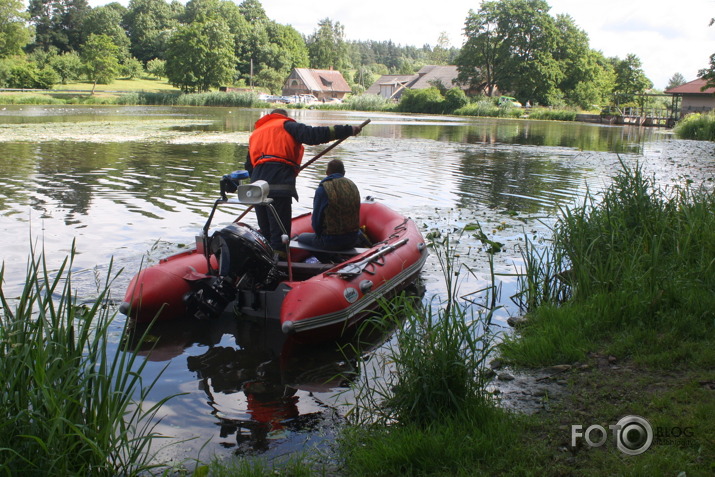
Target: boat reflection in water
254, 376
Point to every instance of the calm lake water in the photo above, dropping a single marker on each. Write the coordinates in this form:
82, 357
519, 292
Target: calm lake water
134, 184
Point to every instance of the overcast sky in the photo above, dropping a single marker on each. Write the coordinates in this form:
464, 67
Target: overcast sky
668, 36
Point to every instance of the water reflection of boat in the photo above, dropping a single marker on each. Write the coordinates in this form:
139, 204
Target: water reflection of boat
314, 295
252, 373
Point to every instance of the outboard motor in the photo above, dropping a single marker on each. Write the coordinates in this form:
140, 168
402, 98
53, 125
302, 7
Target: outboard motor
241, 250
245, 260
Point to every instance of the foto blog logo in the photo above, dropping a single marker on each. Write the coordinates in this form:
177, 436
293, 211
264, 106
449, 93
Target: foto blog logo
633, 435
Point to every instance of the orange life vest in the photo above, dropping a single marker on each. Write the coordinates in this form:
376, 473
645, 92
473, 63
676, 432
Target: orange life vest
270, 142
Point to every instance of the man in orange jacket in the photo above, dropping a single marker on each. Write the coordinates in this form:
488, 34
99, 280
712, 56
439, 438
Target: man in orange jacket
275, 151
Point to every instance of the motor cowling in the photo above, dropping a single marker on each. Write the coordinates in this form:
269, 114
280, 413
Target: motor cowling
241, 250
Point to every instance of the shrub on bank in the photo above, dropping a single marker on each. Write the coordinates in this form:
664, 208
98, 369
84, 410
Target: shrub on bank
700, 126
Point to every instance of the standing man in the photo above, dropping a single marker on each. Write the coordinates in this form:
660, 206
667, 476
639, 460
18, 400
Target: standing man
336, 211
275, 151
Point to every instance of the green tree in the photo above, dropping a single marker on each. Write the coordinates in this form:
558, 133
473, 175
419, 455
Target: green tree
630, 79
200, 56
676, 80
107, 20
44, 18
253, 11
73, 17
131, 68
67, 65
156, 67
14, 34
708, 73
510, 44
58, 23
283, 50
479, 62
327, 47
99, 56
440, 54
596, 84
148, 23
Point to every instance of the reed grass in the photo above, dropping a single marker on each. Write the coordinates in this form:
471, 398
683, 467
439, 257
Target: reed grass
67, 398
633, 269
218, 98
489, 109
29, 99
368, 102
552, 114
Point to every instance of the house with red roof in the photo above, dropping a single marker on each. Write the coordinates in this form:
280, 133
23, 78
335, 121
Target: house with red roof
694, 96
323, 84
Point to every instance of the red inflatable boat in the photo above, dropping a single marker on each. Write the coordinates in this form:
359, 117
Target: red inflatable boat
315, 294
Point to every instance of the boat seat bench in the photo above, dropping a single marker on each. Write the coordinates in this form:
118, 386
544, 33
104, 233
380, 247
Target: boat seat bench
350, 251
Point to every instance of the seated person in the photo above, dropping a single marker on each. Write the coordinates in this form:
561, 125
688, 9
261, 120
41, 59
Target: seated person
336, 212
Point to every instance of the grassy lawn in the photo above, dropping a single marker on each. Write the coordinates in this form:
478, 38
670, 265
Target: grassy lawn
150, 85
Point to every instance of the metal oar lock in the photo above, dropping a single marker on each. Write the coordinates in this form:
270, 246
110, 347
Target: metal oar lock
351, 270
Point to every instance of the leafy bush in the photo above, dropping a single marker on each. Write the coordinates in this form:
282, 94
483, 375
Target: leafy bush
155, 99
131, 68
697, 126
67, 65
156, 67
23, 74
454, 99
429, 101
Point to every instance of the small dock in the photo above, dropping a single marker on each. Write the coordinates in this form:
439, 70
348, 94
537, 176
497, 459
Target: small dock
639, 117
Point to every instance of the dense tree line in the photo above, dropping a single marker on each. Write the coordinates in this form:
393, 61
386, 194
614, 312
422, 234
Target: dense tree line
512, 46
198, 46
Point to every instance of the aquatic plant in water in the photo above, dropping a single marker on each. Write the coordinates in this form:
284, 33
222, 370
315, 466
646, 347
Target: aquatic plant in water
434, 366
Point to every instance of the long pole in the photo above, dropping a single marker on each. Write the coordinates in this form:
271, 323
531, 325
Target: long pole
318, 156
331, 147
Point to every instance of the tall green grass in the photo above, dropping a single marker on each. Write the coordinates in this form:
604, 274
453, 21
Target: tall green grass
489, 109
29, 99
699, 126
437, 357
368, 102
67, 398
422, 406
218, 98
635, 269
552, 114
